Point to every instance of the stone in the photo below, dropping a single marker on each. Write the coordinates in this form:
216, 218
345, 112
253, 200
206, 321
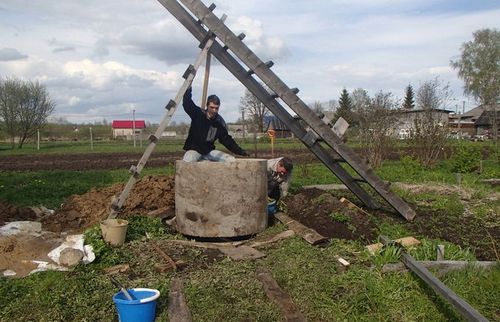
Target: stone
70, 257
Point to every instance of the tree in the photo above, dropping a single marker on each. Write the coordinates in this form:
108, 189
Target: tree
24, 108
479, 68
255, 109
317, 108
429, 133
376, 122
409, 102
345, 109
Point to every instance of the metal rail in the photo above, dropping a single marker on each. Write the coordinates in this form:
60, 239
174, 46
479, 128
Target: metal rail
464, 308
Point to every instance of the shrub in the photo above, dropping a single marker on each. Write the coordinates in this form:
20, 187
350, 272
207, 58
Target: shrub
466, 158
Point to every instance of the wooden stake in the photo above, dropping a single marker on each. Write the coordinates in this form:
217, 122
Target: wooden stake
440, 252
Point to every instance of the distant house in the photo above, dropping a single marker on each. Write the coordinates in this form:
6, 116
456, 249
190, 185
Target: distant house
406, 120
125, 128
271, 122
477, 121
484, 124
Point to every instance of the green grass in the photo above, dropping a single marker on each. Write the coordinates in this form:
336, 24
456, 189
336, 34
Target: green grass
171, 145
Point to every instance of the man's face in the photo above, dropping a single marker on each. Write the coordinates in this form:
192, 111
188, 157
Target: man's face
212, 110
281, 170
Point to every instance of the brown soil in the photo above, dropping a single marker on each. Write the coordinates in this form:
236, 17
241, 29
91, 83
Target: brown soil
14, 213
95, 161
17, 252
152, 195
324, 213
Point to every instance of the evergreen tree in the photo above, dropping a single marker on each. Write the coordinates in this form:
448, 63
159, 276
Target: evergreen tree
345, 109
409, 102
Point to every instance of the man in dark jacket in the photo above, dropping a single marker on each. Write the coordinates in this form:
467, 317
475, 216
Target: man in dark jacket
206, 127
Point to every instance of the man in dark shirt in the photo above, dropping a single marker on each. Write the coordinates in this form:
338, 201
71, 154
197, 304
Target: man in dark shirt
206, 127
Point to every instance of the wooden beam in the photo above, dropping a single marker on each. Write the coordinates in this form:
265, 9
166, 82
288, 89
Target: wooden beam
274, 292
178, 311
308, 234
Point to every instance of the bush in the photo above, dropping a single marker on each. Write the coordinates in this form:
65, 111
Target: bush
466, 158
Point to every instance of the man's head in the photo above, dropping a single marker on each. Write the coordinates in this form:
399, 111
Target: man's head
284, 166
213, 103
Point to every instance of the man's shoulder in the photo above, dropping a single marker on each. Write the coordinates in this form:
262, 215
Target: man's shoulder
221, 121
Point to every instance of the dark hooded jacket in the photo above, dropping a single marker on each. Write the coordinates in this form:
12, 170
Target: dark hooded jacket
203, 132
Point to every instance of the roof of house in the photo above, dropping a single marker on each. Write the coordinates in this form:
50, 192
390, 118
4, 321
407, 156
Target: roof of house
128, 124
476, 112
272, 122
485, 119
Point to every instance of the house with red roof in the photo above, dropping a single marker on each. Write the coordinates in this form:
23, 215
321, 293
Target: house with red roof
125, 128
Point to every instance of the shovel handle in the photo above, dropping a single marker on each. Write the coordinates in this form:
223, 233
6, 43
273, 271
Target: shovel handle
122, 289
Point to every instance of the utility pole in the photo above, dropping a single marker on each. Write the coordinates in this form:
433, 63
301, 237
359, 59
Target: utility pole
133, 124
91, 140
243, 122
38, 140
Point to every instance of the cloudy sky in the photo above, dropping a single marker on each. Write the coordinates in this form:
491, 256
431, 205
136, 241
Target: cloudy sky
104, 59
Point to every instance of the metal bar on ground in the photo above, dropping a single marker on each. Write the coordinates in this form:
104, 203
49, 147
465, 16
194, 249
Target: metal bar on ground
464, 308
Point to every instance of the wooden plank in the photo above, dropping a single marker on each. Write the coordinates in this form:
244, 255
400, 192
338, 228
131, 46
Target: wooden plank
178, 311
442, 266
274, 292
308, 234
272, 239
405, 241
235, 253
351, 205
241, 253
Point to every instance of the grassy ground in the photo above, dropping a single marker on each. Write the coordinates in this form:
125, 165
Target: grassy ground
171, 145
225, 290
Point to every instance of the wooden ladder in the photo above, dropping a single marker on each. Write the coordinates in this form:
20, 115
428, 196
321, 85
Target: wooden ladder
337, 156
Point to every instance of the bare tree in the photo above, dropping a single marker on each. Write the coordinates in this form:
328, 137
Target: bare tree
376, 122
24, 108
317, 108
430, 125
255, 109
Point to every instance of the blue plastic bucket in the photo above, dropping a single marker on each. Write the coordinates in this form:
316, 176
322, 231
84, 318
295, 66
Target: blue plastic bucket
142, 308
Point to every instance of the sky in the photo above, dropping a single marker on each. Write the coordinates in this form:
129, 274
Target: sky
103, 60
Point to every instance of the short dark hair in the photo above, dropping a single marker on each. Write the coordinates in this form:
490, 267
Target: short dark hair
287, 164
213, 99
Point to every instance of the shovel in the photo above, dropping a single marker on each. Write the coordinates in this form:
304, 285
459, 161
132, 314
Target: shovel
122, 289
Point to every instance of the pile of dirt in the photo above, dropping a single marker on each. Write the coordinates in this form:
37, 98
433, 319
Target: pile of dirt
13, 213
324, 213
151, 195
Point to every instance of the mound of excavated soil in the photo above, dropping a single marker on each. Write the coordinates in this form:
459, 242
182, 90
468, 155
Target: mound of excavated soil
323, 212
153, 195
14, 213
